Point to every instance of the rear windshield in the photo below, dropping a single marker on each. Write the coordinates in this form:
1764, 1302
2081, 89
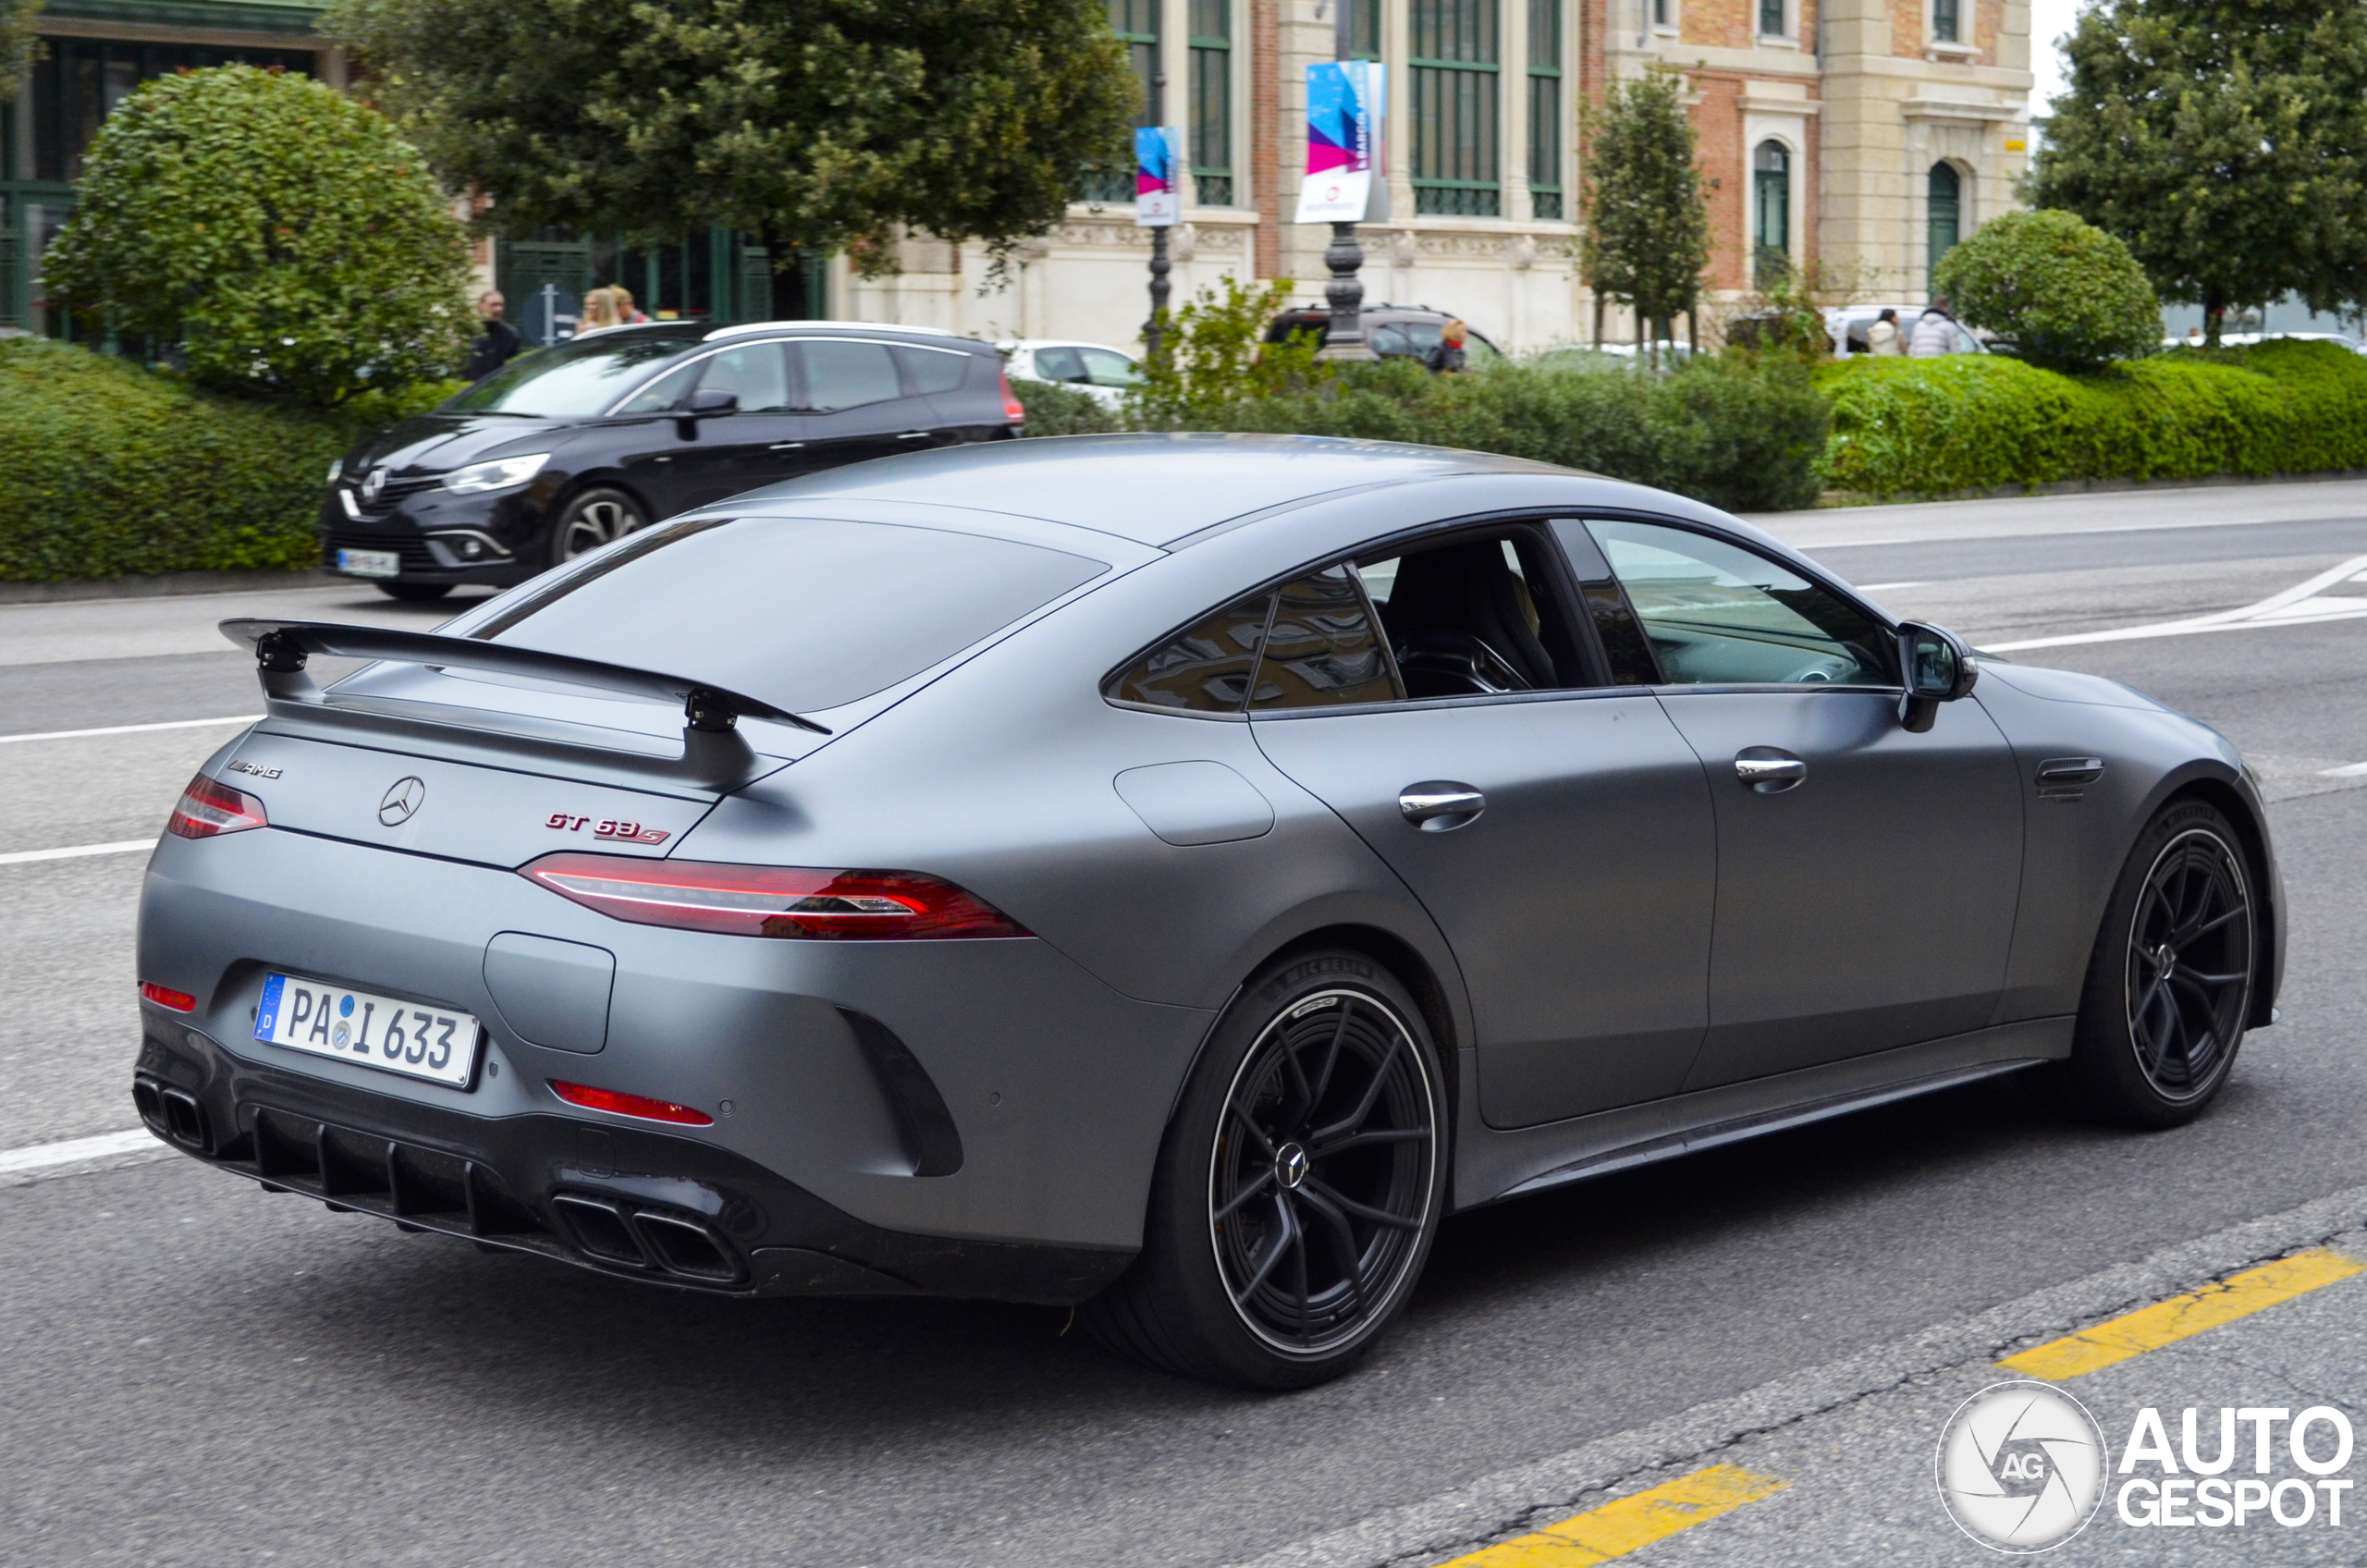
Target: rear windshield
803, 613
573, 380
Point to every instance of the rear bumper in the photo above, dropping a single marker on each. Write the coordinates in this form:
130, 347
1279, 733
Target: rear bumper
643, 1205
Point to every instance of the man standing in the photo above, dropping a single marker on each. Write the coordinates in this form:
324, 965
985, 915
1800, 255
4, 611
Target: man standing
497, 344
1935, 333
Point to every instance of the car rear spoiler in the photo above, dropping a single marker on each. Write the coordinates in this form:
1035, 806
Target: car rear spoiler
714, 755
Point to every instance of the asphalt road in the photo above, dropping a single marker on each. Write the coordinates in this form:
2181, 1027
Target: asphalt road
202, 1374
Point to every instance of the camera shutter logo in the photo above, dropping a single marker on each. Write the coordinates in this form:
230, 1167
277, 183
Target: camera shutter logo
2021, 1467
401, 802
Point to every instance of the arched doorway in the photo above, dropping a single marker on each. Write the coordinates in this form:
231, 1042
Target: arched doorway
1943, 216
1771, 192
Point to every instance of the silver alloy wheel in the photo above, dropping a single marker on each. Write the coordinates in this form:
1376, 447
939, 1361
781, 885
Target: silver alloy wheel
594, 521
2187, 972
1321, 1178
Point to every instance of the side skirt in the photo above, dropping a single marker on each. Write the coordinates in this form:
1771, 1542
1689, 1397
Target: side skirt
1494, 1163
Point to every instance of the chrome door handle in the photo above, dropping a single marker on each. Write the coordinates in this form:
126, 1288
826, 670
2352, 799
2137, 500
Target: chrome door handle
2070, 770
787, 445
1769, 769
917, 435
1441, 806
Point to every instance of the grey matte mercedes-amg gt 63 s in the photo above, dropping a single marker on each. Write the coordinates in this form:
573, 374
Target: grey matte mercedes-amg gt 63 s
1165, 874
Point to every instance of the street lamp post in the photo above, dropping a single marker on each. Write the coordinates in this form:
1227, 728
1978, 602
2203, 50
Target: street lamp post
1344, 256
1155, 327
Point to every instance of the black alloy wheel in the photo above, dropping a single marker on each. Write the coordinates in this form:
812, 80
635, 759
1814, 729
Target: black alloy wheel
2169, 987
1299, 1188
592, 520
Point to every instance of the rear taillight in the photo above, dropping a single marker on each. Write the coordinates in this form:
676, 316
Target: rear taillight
1012, 409
771, 900
165, 996
628, 1105
208, 810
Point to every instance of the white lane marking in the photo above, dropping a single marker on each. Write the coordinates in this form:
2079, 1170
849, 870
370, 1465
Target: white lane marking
2297, 606
39, 1157
130, 728
75, 852
1886, 587
2354, 770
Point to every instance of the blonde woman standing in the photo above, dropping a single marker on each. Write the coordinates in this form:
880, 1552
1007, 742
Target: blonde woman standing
600, 311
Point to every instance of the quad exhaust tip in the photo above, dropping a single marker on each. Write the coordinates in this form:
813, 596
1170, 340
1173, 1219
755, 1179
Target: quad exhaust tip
172, 1114
642, 1238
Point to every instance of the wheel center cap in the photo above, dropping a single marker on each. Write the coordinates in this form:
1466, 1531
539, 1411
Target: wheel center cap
2166, 956
1290, 1165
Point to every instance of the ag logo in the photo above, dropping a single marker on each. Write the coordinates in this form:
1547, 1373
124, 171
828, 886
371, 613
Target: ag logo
2021, 1467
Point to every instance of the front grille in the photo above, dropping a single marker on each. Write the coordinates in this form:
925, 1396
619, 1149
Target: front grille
416, 556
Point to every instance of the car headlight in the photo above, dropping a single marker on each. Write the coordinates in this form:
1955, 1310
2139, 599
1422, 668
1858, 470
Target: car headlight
336, 471
498, 475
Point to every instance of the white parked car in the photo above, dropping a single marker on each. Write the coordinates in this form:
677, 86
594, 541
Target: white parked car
1093, 368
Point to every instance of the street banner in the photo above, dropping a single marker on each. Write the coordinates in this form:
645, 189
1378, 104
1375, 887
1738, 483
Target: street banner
1158, 175
1347, 174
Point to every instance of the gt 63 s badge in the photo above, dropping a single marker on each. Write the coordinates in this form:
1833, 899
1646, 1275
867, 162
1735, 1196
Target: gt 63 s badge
607, 827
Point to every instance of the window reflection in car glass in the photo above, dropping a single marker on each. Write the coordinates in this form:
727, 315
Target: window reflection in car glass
1058, 364
1322, 650
1720, 615
757, 374
933, 370
663, 392
1203, 668
1106, 367
573, 380
847, 375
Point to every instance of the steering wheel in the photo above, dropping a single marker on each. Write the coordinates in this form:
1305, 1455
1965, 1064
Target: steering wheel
1821, 671
1454, 664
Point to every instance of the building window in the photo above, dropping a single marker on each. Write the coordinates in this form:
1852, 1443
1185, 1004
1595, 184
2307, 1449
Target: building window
1137, 24
1770, 19
1364, 29
1211, 128
1454, 69
1945, 27
1663, 13
1771, 189
1545, 108
1944, 219
78, 82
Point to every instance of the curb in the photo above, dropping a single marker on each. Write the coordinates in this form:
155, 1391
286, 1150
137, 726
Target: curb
169, 584
1511, 1500
1837, 499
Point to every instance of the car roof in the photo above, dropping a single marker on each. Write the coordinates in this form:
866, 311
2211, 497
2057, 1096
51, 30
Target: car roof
1152, 489
866, 328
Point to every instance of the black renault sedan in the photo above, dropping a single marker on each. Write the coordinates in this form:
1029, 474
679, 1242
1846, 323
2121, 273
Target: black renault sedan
560, 451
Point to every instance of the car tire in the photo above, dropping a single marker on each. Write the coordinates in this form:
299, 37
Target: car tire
2169, 986
1298, 1188
414, 593
591, 519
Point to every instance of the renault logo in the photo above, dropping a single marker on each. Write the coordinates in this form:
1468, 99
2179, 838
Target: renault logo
402, 801
373, 482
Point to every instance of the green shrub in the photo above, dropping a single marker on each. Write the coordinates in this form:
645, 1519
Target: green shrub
107, 468
1055, 410
280, 234
1972, 421
2068, 296
1213, 354
1730, 432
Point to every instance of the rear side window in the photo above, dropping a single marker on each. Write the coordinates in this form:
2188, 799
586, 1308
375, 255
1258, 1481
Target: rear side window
1204, 667
1321, 648
933, 370
847, 375
804, 613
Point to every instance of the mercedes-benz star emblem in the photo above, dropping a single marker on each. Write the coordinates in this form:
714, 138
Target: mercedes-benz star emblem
402, 801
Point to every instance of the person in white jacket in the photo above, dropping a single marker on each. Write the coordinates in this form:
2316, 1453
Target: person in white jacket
1935, 333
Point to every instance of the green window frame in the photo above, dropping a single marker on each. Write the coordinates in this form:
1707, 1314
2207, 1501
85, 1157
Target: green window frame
1771, 190
1137, 24
1947, 23
1772, 23
1943, 216
1456, 68
1364, 29
1210, 37
1545, 108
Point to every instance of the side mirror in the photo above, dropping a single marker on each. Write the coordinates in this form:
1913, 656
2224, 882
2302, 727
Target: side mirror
1938, 668
709, 401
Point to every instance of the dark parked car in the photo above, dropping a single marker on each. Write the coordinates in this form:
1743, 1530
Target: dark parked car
1395, 331
560, 451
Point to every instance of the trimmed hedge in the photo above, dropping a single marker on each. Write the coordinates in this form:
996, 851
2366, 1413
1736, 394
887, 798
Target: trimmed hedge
1968, 422
108, 469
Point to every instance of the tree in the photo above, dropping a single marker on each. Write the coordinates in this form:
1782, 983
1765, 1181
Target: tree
817, 125
17, 44
1647, 237
2068, 296
2225, 141
281, 233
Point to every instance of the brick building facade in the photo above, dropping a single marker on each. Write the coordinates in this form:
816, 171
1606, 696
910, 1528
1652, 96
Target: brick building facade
1865, 134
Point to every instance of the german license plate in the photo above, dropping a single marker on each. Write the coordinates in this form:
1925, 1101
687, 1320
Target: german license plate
374, 1031
370, 563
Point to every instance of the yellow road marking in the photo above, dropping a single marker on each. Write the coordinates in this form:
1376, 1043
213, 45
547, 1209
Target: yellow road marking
2179, 1318
1616, 1528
